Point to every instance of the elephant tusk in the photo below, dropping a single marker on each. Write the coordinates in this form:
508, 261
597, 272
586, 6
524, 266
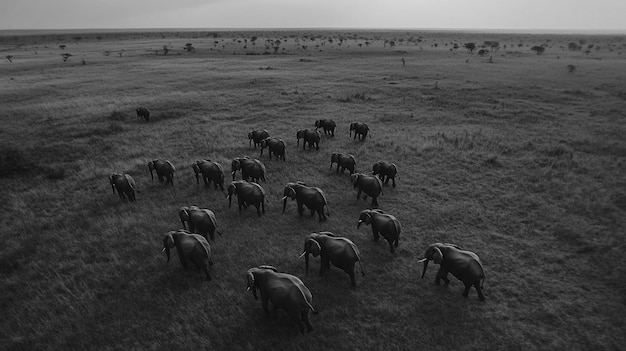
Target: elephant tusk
302, 255
248, 289
422, 260
284, 198
163, 250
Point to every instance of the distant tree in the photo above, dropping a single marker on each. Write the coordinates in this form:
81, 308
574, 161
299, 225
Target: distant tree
62, 46
470, 47
573, 47
253, 40
189, 47
538, 49
493, 45
9, 57
571, 68
66, 56
166, 50
483, 52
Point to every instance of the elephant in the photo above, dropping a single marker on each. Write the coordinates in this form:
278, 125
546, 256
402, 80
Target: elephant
369, 185
124, 184
385, 171
256, 136
191, 247
211, 172
276, 146
464, 265
339, 251
201, 221
309, 136
285, 291
250, 168
248, 193
360, 129
345, 161
143, 112
382, 224
311, 197
164, 169
327, 124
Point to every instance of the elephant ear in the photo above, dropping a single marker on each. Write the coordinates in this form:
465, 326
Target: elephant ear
300, 182
354, 177
211, 216
437, 256
130, 180
272, 268
196, 167
205, 244
314, 247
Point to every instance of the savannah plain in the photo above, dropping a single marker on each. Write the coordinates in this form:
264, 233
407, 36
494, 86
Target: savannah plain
515, 156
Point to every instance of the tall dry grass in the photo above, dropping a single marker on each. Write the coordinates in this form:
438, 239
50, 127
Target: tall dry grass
518, 160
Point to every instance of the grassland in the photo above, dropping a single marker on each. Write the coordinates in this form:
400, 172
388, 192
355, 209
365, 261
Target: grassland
509, 155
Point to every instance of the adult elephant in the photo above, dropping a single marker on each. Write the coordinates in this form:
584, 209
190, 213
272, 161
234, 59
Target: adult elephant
464, 265
360, 129
309, 136
383, 224
211, 172
385, 171
311, 197
124, 184
248, 193
191, 247
143, 112
201, 221
276, 146
369, 185
339, 251
164, 170
256, 136
327, 124
285, 291
343, 161
250, 168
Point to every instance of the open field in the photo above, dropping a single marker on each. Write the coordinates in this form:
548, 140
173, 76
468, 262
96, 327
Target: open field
510, 155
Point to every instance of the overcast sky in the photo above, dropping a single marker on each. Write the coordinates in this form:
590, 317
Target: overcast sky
444, 14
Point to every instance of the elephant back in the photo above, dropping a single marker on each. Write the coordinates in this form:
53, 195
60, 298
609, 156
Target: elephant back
300, 292
203, 244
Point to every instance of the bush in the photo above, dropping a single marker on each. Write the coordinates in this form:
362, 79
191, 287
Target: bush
13, 162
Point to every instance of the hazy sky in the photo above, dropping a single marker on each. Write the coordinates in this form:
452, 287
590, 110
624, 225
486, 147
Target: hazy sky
452, 14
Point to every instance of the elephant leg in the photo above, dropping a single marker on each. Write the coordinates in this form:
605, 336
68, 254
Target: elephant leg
258, 209
466, 290
442, 274
481, 297
375, 233
391, 246
337, 171
263, 206
393, 180
375, 201
300, 209
317, 146
264, 304
358, 193
241, 203
352, 279
304, 315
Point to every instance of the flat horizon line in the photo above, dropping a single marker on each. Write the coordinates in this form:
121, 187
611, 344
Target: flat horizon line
268, 29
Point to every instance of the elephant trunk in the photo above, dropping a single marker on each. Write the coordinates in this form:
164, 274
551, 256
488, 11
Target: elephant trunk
233, 173
358, 225
284, 203
425, 266
197, 178
167, 252
306, 263
230, 199
113, 187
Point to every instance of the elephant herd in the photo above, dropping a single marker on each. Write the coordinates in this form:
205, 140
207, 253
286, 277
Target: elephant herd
287, 291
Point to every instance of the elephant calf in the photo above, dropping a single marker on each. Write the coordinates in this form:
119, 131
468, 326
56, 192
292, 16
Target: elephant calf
285, 291
248, 193
341, 252
124, 184
360, 129
464, 265
276, 146
164, 169
369, 185
385, 171
310, 136
250, 168
256, 136
311, 197
382, 224
327, 124
343, 161
211, 172
201, 221
190, 247
143, 112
